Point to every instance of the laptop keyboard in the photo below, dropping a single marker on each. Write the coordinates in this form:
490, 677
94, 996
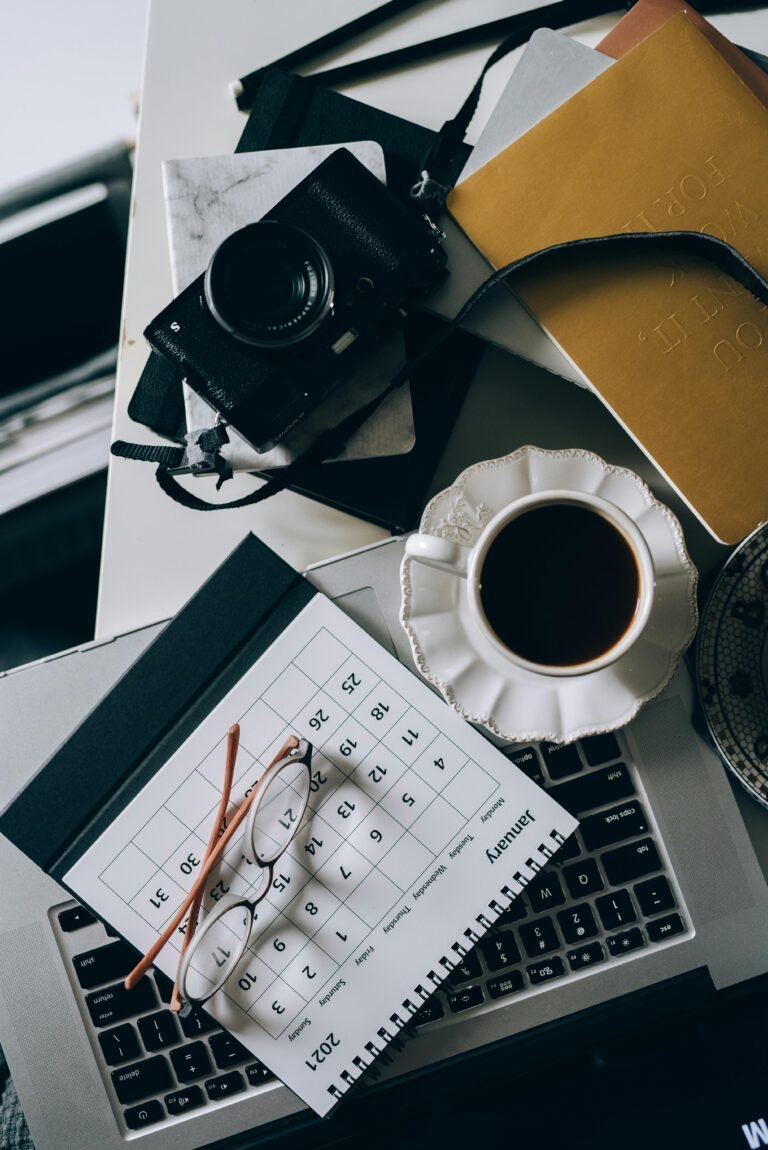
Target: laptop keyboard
605, 898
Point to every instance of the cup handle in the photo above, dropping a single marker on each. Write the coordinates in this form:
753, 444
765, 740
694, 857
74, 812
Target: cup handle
439, 553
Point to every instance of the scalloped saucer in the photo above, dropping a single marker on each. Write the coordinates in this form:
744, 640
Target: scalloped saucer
454, 655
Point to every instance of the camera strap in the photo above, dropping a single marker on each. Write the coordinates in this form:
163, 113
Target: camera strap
332, 441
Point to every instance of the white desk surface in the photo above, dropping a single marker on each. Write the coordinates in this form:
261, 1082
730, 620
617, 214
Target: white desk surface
156, 553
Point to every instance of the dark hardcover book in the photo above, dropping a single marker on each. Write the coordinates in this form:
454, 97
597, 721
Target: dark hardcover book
391, 491
295, 111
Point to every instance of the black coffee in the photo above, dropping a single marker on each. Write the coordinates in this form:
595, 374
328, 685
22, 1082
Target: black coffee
559, 585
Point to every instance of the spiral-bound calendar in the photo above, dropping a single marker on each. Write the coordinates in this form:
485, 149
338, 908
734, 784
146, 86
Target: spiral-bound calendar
417, 836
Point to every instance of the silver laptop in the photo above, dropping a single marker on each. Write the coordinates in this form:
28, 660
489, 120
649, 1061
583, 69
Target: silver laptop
679, 896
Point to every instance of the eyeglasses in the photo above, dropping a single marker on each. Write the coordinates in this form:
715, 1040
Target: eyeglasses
274, 811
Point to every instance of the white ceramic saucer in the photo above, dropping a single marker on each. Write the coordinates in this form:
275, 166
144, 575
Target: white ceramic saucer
519, 705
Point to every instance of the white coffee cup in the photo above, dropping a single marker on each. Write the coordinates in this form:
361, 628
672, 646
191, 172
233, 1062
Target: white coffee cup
467, 563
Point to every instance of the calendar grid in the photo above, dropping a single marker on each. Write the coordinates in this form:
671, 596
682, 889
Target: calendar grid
377, 755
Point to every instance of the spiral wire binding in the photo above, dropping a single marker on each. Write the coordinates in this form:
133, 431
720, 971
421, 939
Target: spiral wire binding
365, 1068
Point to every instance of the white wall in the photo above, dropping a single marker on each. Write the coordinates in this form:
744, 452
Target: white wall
70, 74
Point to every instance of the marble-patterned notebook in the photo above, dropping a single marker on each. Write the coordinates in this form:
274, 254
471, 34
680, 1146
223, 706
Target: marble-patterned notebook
207, 198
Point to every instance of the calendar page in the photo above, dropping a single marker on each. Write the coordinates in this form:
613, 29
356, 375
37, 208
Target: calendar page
418, 835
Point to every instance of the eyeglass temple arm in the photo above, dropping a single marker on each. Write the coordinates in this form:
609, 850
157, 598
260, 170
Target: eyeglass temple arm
197, 887
233, 743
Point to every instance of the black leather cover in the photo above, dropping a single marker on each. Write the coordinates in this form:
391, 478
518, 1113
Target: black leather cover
292, 111
233, 619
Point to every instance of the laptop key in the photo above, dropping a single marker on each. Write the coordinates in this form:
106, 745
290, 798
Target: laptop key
570, 849
616, 909
227, 1051
528, 761
577, 923
614, 825
257, 1072
164, 986
180, 1101
594, 790
145, 1115
600, 749
75, 918
119, 1044
431, 1011
198, 1021
631, 862
468, 968
514, 912
505, 984
662, 928
545, 892
104, 964
625, 941
115, 1003
583, 878
500, 950
191, 1062
654, 895
588, 955
225, 1085
539, 937
141, 1079
467, 997
159, 1030
561, 761
544, 971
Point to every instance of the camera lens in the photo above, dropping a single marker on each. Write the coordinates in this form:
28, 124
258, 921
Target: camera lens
269, 285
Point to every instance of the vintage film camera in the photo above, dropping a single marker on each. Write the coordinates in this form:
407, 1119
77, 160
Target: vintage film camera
288, 304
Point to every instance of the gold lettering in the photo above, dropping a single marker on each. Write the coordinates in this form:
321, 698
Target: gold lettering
713, 173
726, 345
642, 216
675, 207
746, 215
704, 315
693, 182
729, 291
679, 329
751, 329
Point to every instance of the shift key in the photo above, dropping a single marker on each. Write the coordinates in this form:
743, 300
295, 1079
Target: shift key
594, 789
614, 825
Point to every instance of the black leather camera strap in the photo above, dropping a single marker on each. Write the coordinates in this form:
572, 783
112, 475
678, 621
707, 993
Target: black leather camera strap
333, 440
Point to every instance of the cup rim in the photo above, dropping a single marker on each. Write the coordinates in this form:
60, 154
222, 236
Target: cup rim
634, 540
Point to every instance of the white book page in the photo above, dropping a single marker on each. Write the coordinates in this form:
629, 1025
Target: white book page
418, 834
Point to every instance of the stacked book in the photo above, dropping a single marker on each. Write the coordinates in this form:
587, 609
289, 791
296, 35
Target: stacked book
664, 128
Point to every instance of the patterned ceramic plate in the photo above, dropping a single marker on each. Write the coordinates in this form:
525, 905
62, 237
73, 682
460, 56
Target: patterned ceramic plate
733, 663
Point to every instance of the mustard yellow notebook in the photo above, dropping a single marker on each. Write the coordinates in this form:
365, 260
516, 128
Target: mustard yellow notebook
669, 137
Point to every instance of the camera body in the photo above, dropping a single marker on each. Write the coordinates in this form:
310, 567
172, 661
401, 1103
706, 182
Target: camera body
288, 304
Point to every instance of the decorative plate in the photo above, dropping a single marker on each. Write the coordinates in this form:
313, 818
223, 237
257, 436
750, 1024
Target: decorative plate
732, 663
453, 654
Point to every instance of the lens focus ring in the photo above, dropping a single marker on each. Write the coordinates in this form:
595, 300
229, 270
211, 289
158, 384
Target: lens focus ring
269, 285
